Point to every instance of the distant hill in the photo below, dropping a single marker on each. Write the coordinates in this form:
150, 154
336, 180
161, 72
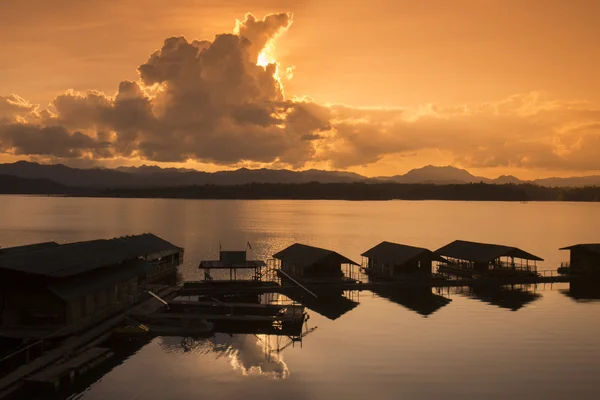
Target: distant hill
437, 175
154, 177
577, 181
14, 185
69, 176
452, 175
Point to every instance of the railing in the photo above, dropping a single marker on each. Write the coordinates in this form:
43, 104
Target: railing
548, 273
512, 266
23, 356
30, 352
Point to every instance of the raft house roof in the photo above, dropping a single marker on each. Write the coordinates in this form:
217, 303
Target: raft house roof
395, 253
482, 252
60, 261
303, 255
591, 247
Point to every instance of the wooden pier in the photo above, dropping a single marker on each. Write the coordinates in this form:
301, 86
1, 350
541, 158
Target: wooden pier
98, 334
55, 375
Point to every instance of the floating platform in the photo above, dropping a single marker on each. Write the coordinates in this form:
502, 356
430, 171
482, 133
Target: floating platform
227, 284
230, 308
56, 375
286, 317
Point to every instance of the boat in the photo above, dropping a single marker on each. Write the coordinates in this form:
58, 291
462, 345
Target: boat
132, 331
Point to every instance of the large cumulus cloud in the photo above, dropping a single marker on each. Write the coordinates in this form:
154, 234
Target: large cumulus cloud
209, 101
198, 100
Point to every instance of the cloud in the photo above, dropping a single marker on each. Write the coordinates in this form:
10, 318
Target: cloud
209, 102
13, 107
523, 131
203, 101
262, 32
53, 141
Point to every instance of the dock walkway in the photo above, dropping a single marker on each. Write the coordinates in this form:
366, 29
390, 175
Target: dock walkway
14, 380
55, 373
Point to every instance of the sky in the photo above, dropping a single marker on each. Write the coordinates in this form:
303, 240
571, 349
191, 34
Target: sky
376, 87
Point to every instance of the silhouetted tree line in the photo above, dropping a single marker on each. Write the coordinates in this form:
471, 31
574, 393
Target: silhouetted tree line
365, 191
315, 190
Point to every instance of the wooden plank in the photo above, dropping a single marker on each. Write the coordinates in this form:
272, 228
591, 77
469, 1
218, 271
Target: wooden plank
11, 382
54, 372
296, 282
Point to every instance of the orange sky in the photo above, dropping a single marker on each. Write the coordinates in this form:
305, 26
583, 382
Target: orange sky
426, 59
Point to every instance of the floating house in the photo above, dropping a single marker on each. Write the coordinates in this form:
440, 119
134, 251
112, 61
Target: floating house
314, 264
584, 259
46, 286
393, 260
469, 259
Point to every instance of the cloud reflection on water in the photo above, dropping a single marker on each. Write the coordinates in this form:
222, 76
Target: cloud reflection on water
248, 354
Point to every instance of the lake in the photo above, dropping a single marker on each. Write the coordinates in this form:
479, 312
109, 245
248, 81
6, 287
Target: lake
521, 342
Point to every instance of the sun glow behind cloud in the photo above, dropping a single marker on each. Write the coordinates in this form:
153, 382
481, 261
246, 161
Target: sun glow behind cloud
266, 32
267, 58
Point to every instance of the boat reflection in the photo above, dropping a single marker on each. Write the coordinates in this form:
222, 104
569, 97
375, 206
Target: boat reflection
421, 300
510, 297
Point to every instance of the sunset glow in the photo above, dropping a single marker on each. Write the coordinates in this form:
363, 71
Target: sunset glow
377, 98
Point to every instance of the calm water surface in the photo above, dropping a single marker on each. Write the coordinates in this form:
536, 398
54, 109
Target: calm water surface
536, 342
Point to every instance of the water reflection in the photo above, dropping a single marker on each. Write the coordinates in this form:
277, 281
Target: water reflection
419, 299
583, 291
510, 297
331, 304
249, 354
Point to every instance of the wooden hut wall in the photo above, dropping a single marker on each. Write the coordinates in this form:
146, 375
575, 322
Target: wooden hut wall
328, 267
584, 261
32, 308
420, 265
